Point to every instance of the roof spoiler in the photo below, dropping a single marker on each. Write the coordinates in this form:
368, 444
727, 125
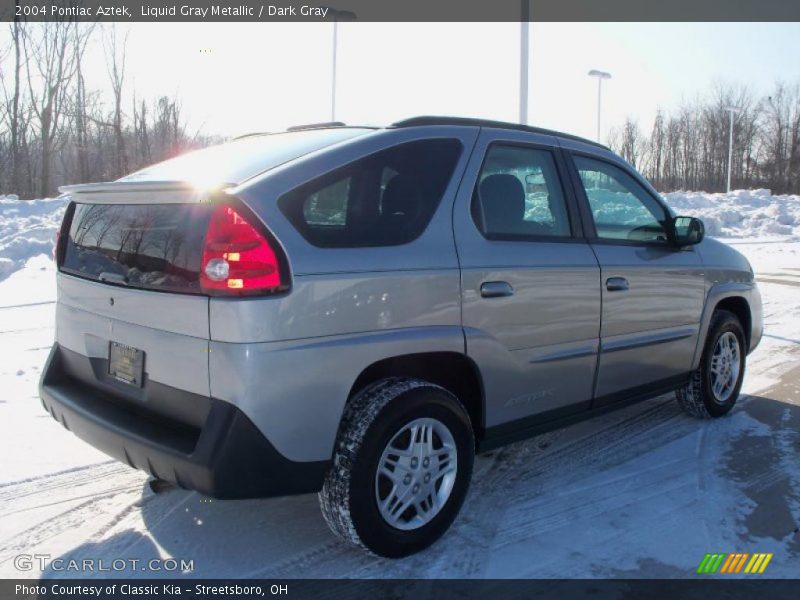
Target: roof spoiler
139, 192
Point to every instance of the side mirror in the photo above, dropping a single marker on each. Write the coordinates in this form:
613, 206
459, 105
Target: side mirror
687, 231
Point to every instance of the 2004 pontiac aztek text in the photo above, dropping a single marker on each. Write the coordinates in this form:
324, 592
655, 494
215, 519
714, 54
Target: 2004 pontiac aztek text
356, 311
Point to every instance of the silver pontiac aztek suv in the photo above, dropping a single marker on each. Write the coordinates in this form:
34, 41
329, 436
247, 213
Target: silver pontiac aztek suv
357, 311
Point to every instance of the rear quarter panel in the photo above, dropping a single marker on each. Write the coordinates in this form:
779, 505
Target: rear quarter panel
295, 391
290, 361
338, 291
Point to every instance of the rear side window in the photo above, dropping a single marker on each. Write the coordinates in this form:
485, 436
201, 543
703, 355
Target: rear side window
519, 195
147, 246
385, 199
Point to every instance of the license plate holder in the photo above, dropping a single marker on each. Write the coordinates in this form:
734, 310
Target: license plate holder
126, 364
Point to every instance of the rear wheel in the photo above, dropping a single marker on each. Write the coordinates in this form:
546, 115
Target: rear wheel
714, 387
402, 466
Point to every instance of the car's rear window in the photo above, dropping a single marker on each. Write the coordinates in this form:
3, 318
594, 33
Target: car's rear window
241, 159
385, 199
147, 246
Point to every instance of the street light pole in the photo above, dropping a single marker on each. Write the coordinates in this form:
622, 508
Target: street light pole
600, 75
731, 110
338, 15
523, 60
333, 71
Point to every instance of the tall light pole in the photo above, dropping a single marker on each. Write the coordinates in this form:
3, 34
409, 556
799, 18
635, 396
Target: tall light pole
333, 69
600, 76
524, 48
731, 111
338, 15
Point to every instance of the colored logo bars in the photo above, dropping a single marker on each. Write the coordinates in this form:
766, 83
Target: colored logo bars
735, 563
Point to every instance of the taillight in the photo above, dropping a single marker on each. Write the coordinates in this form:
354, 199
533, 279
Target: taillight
237, 258
55, 244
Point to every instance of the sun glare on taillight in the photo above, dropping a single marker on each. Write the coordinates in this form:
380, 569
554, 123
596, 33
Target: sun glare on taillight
237, 257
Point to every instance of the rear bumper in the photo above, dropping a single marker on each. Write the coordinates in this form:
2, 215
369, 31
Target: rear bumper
224, 456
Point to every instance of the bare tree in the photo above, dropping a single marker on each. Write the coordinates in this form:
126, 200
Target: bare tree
140, 131
11, 107
688, 148
14, 114
79, 112
780, 135
655, 150
629, 142
55, 129
50, 69
115, 53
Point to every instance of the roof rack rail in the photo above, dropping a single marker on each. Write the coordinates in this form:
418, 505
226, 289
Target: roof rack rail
432, 120
316, 126
251, 134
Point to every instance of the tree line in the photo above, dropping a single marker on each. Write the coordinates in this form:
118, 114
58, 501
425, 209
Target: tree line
687, 148
56, 130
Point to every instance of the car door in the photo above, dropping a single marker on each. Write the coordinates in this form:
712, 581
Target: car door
652, 290
530, 282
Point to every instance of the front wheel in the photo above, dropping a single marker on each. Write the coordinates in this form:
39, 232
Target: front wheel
401, 469
714, 387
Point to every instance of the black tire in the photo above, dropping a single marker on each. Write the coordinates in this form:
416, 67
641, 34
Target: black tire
697, 398
370, 421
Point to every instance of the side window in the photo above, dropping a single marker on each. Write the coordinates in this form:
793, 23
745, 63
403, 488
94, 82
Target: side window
385, 199
622, 209
519, 195
328, 207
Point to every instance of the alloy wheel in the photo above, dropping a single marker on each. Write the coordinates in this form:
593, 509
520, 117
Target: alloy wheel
725, 367
416, 474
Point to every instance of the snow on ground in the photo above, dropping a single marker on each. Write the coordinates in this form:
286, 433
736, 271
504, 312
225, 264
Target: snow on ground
27, 228
641, 492
27, 302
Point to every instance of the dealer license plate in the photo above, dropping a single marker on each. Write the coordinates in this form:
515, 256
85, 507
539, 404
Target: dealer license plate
126, 363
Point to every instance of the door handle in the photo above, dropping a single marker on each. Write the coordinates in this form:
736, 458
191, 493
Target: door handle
496, 289
616, 284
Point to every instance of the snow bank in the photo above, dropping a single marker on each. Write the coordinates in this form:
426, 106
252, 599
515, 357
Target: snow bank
741, 213
27, 229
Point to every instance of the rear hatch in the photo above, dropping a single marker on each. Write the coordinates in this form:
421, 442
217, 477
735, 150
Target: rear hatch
131, 317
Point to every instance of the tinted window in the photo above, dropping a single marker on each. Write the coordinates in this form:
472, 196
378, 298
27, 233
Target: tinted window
519, 195
146, 246
385, 199
241, 159
327, 207
622, 209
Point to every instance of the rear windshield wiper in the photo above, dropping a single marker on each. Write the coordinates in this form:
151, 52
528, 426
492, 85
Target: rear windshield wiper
107, 277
